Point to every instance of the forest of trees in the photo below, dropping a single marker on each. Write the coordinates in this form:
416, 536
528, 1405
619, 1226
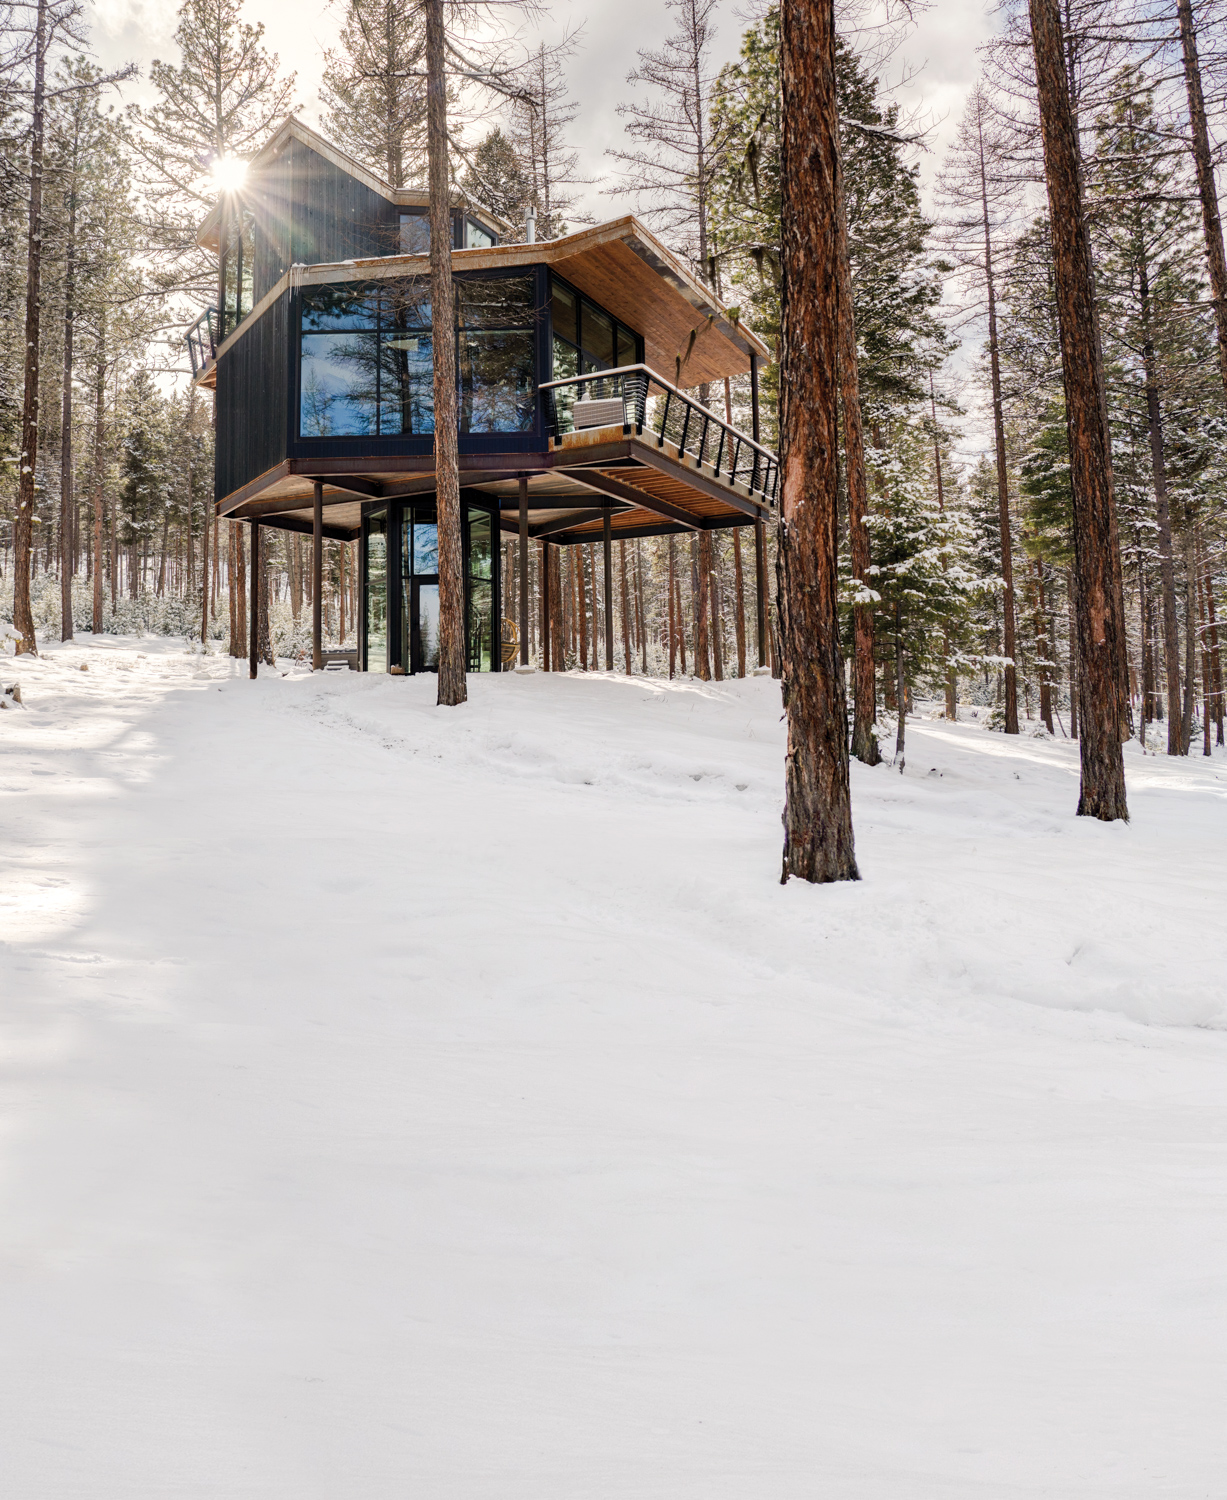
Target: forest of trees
956, 545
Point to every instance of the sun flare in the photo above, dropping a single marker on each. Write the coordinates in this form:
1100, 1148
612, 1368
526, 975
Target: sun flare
228, 173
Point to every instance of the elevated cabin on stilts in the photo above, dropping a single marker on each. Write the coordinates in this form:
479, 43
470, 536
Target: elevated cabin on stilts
581, 362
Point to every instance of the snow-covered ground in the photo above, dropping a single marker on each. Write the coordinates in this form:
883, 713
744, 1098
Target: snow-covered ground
408, 1102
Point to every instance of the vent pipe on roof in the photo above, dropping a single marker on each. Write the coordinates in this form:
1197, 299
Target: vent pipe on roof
530, 225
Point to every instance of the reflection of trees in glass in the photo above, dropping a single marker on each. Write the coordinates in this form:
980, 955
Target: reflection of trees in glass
340, 369
367, 358
313, 420
497, 390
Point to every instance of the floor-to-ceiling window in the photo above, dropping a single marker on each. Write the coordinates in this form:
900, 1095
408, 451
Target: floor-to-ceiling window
367, 367
585, 339
377, 593
498, 388
481, 591
366, 364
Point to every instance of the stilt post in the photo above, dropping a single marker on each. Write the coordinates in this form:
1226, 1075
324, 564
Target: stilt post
317, 579
760, 584
253, 613
523, 579
607, 539
545, 605
760, 531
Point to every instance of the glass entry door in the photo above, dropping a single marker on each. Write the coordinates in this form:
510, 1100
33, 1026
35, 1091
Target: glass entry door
420, 555
424, 625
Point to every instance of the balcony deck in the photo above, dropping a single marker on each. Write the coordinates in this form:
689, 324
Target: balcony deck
646, 477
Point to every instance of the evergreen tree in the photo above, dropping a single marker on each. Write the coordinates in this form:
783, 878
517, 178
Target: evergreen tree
373, 93
219, 102
496, 178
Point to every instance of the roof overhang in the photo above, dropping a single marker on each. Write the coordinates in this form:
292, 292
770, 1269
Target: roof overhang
293, 129
690, 337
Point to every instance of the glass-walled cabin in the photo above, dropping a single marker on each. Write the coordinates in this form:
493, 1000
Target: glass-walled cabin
365, 382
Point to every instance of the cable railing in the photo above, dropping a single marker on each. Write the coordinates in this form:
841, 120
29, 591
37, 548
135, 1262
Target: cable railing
202, 341
636, 396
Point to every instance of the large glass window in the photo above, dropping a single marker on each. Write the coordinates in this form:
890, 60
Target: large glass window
415, 234
377, 594
238, 270
481, 593
498, 389
586, 337
367, 358
476, 237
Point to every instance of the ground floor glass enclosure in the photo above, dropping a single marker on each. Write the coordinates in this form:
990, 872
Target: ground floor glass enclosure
400, 587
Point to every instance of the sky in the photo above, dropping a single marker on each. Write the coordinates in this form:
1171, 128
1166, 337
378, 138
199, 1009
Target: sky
941, 53
939, 58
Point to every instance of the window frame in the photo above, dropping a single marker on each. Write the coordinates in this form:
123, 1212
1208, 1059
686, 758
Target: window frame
582, 300
530, 439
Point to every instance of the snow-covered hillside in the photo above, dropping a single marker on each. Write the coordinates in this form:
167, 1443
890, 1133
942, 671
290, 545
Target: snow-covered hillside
451, 1103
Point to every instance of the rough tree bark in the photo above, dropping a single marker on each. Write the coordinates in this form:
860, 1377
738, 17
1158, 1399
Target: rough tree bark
100, 375
453, 688
1003, 488
1098, 612
818, 842
864, 684
952, 695
1212, 224
23, 522
739, 622
700, 579
626, 608
1167, 569
68, 499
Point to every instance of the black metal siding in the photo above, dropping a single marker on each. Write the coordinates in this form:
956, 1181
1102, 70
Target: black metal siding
333, 216
253, 382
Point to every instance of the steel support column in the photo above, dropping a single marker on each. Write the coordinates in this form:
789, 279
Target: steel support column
523, 570
760, 531
606, 536
317, 580
545, 605
253, 633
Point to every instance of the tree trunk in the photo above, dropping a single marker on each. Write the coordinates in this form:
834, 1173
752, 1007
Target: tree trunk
701, 583
739, 619
1190, 642
162, 552
717, 616
1206, 678
864, 683
1212, 227
1044, 647
23, 522
900, 691
1003, 490
97, 475
1099, 613
68, 501
557, 637
1167, 568
581, 607
1216, 662
238, 588
453, 688
626, 609
265, 633
596, 629
641, 609
818, 842
952, 696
